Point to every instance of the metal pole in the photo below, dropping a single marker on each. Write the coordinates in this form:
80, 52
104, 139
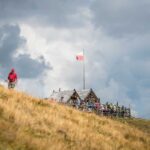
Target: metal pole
83, 70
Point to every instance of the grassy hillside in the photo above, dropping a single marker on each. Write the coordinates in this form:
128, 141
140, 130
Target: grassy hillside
27, 123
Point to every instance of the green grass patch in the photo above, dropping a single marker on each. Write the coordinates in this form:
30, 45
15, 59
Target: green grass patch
141, 124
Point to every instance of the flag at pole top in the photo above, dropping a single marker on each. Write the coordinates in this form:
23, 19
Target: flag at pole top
80, 56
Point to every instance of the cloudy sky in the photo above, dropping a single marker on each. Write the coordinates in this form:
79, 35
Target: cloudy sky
40, 38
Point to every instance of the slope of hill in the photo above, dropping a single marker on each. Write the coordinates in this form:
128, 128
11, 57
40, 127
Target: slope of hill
141, 124
27, 123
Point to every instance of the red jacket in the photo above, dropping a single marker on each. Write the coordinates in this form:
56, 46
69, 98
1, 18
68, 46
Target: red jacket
12, 77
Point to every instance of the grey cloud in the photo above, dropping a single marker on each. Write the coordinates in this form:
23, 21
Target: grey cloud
10, 41
116, 18
28, 67
55, 12
119, 18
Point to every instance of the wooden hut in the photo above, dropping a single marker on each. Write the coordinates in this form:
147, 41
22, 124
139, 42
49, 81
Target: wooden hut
89, 99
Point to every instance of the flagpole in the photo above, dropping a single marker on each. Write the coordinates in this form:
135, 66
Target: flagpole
83, 70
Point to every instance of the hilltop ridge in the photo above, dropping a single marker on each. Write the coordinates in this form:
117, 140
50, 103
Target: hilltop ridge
28, 123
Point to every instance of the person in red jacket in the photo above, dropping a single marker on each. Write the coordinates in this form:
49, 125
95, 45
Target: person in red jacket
12, 79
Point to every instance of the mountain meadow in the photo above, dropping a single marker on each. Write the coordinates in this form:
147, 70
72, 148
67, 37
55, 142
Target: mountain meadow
28, 123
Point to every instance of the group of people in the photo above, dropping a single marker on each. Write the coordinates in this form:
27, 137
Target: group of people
107, 109
115, 110
12, 79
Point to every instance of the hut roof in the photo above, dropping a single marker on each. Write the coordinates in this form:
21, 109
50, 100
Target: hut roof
84, 93
62, 94
66, 95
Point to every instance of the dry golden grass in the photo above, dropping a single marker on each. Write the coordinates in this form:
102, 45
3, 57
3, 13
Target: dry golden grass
27, 123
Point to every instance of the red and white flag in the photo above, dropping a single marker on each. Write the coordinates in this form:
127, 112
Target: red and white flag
80, 56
